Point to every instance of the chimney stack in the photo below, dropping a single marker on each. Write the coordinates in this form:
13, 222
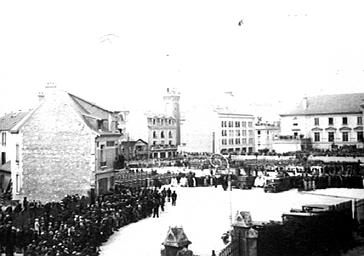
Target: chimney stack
40, 96
305, 103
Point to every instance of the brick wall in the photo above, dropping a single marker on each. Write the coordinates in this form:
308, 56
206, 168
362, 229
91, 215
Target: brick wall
57, 151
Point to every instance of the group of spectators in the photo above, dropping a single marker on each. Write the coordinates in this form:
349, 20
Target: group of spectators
76, 226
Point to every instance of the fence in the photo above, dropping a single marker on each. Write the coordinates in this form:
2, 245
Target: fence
227, 251
143, 179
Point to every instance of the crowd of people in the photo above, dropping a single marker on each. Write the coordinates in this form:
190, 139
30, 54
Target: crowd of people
76, 226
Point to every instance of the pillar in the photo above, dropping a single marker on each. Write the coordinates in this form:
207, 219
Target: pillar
175, 241
244, 236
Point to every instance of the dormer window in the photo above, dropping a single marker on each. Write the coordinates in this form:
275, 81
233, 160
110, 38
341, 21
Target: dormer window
100, 124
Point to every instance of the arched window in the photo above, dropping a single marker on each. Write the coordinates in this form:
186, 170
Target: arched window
162, 134
154, 134
170, 134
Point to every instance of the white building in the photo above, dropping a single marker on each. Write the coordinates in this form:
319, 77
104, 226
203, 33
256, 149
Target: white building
10, 147
209, 129
326, 120
265, 134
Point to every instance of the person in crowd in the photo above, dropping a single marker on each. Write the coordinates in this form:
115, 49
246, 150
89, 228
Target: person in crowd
174, 198
73, 226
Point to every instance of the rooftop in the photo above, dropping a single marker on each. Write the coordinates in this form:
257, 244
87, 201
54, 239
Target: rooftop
8, 121
328, 104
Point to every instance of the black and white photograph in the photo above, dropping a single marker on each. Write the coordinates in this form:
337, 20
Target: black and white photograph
181, 128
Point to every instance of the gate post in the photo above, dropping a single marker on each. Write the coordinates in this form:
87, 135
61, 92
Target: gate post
244, 236
176, 240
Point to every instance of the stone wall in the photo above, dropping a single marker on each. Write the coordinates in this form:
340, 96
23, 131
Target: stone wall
57, 151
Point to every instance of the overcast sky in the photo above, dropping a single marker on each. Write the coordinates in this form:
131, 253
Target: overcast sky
124, 53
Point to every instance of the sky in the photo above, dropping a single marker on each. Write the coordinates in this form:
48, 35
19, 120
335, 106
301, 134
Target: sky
124, 54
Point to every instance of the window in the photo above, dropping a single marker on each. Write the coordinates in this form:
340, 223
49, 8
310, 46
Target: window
317, 121
17, 153
331, 136
223, 142
243, 132
223, 133
3, 157
360, 120
243, 124
231, 133
258, 132
162, 121
317, 136
170, 143
162, 134
231, 124
237, 124
3, 139
153, 121
243, 141
169, 121
231, 141
331, 121
110, 143
154, 143
162, 142
295, 135
237, 133
170, 134
345, 120
237, 141
251, 133
17, 185
251, 140
345, 136
154, 135
359, 136
250, 124
223, 123
295, 124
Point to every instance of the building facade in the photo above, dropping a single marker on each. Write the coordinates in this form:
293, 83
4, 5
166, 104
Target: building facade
67, 145
328, 121
265, 134
9, 148
160, 130
236, 133
217, 130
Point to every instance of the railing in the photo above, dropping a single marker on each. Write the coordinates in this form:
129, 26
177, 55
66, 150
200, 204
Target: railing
227, 251
142, 179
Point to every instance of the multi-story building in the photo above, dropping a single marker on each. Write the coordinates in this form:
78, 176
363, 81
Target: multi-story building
160, 130
236, 133
218, 130
327, 120
65, 145
265, 133
9, 148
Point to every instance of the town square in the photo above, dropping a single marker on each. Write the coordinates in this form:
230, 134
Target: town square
181, 128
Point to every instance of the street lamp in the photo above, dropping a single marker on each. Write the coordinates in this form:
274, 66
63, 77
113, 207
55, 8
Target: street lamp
216, 161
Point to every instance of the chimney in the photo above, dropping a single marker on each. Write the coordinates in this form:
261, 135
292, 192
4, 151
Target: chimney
229, 94
305, 103
40, 96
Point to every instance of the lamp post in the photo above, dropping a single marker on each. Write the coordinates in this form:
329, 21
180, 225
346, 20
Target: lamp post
216, 161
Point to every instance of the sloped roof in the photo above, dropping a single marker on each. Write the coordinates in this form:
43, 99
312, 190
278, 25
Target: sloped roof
91, 113
8, 121
329, 104
90, 108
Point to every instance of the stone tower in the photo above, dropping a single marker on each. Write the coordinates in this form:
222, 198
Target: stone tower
171, 101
